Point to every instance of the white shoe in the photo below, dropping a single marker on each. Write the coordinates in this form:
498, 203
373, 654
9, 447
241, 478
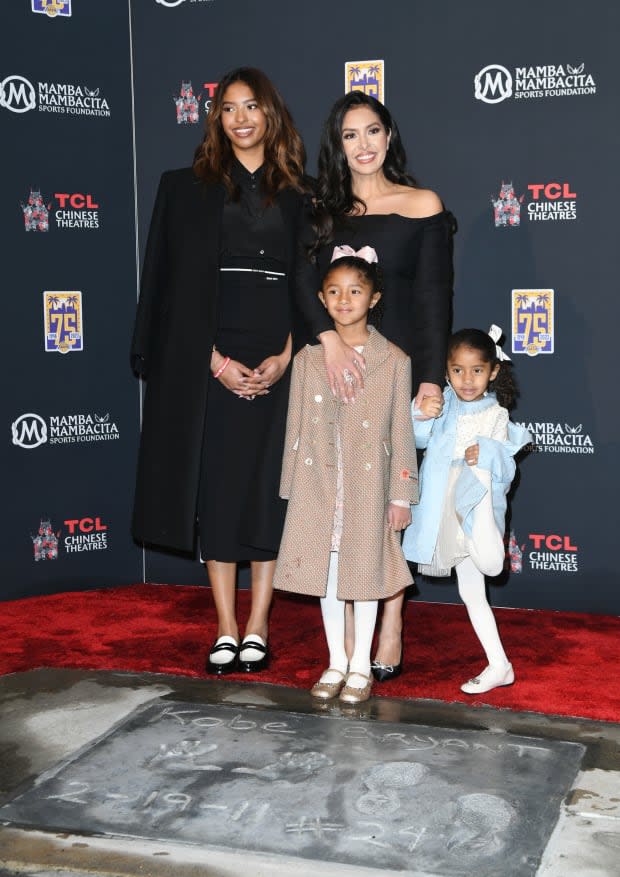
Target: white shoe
491, 677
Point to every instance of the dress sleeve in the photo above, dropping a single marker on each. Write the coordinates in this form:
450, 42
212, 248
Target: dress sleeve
308, 281
152, 284
422, 429
403, 462
432, 300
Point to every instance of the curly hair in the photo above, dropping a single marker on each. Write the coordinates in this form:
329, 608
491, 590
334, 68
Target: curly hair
504, 384
284, 151
371, 272
334, 192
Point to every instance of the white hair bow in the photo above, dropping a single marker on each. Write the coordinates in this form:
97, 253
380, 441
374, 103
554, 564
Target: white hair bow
366, 253
495, 333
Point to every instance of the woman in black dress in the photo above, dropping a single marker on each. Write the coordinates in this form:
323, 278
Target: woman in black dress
214, 338
366, 197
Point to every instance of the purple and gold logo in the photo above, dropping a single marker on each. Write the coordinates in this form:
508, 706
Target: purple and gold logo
366, 76
53, 8
533, 321
62, 316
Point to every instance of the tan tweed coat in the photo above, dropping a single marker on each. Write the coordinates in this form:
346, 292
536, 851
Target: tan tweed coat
379, 464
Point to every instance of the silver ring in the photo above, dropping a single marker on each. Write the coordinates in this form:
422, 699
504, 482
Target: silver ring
348, 377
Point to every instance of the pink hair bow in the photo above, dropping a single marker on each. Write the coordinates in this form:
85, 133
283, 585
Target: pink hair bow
366, 253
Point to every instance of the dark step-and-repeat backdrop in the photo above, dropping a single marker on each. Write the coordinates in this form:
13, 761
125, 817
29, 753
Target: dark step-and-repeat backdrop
509, 112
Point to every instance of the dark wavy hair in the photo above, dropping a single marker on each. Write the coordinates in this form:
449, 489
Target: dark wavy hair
371, 272
334, 193
504, 385
284, 151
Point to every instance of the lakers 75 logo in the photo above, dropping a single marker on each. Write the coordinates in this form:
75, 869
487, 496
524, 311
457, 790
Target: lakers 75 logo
532, 321
62, 313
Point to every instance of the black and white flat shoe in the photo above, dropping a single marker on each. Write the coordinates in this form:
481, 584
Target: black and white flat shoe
385, 672
253, 654
224, 656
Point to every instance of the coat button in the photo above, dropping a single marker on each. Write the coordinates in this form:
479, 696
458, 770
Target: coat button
315, 419
262, 252
367, 466
308, 461
365, 423
318, 398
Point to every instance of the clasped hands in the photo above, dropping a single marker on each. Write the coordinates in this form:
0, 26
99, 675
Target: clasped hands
249, 383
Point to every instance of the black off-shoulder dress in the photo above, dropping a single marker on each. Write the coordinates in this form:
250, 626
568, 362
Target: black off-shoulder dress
415, 256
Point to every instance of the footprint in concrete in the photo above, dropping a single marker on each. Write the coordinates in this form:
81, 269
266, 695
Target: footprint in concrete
383, 782
479, 821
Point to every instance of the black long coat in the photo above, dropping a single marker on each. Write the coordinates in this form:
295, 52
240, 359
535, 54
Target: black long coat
172, 344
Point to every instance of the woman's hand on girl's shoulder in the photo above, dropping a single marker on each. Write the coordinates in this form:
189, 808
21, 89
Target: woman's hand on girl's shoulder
344, 366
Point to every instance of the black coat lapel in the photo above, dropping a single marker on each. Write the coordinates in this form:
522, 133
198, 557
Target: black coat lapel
213, 197
207, 258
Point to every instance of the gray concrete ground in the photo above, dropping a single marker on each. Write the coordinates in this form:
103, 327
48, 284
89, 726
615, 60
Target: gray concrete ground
47, 716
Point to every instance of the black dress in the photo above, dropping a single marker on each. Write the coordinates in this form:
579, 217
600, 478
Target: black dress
415, 257
240, 514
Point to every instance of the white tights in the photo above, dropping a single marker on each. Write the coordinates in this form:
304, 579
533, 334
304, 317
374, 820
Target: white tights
486, 544
365, 616
472, 592
486, 549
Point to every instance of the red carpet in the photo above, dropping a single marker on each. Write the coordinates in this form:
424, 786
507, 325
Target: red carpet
566, 663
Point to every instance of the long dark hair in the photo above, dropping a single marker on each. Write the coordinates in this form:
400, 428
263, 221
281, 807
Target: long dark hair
504, 385
334, 193
284, 151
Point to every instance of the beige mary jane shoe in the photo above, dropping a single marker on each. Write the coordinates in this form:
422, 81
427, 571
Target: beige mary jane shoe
353, 693
327, 690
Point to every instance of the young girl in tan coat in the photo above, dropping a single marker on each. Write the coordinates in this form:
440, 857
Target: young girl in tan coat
350, 474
